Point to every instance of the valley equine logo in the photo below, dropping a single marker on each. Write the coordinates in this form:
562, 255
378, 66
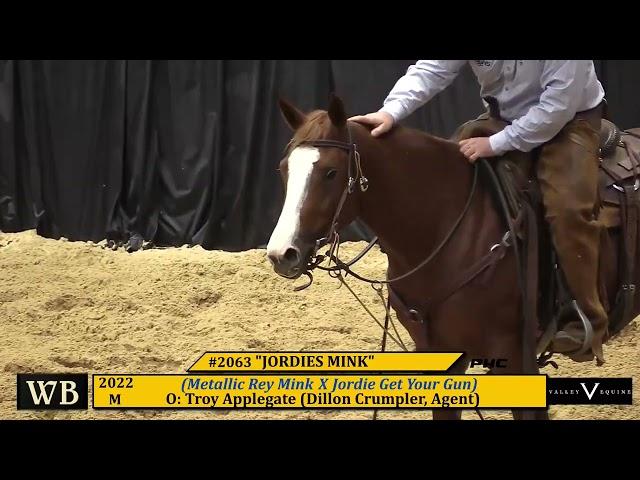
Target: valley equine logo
52, 391
589, 394
589, 391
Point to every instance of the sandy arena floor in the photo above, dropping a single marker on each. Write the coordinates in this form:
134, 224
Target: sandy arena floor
76, 307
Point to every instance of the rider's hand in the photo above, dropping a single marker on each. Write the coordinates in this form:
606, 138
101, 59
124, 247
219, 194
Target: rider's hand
475, 148
382, 121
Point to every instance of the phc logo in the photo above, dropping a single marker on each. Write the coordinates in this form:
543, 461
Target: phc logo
484, 63
52, 391
589, 391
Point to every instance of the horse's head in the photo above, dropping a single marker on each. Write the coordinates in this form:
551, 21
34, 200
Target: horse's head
315, 173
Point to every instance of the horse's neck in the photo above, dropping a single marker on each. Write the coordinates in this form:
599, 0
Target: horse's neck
418, 186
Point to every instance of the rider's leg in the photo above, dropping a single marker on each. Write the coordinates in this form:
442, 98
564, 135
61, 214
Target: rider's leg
568, 175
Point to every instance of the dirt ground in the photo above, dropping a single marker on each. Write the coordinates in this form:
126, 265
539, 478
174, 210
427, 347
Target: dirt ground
77, 307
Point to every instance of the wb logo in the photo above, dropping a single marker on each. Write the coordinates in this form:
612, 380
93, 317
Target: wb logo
52, 391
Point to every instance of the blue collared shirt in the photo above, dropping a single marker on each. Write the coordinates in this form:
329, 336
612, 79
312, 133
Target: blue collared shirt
539, 97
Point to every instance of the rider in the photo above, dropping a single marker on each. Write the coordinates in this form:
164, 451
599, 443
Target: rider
555, 105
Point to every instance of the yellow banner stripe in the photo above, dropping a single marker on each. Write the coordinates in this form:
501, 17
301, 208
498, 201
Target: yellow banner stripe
324, 362
319, 391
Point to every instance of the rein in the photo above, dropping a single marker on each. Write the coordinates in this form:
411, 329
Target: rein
346, 266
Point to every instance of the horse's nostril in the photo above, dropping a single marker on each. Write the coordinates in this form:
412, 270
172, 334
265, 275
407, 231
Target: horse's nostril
291, 255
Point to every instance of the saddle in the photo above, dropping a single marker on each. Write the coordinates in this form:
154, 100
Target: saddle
619, 193
516, 191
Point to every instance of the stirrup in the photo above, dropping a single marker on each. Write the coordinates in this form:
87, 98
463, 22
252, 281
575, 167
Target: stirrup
588, 328
552, 329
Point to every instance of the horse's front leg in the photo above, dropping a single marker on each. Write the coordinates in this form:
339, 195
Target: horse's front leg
451, 413
516, 366
418, 330
419, 335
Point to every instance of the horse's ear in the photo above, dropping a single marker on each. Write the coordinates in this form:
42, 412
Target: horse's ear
336, 111
294, 117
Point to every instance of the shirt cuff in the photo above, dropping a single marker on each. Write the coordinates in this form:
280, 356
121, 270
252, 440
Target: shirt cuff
395, 109
500, 143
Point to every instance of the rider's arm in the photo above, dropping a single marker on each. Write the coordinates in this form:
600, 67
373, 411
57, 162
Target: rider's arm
420, 84
563, 82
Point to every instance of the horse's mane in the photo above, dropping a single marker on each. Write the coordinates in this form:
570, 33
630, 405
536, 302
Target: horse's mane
318, 126
400, 132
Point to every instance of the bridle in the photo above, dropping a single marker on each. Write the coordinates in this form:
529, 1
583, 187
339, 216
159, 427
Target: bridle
352, 161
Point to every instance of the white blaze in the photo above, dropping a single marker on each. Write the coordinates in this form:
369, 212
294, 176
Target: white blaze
300, 165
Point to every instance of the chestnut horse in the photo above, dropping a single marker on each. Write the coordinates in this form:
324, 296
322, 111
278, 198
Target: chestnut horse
419, 186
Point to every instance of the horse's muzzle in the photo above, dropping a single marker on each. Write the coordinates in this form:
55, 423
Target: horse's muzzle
292, 262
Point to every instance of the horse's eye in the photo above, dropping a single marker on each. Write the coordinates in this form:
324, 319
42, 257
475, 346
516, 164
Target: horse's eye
331, 174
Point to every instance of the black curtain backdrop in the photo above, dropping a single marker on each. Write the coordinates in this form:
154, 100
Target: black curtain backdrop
186, 151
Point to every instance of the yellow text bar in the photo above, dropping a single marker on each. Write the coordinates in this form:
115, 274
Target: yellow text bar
319, 391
